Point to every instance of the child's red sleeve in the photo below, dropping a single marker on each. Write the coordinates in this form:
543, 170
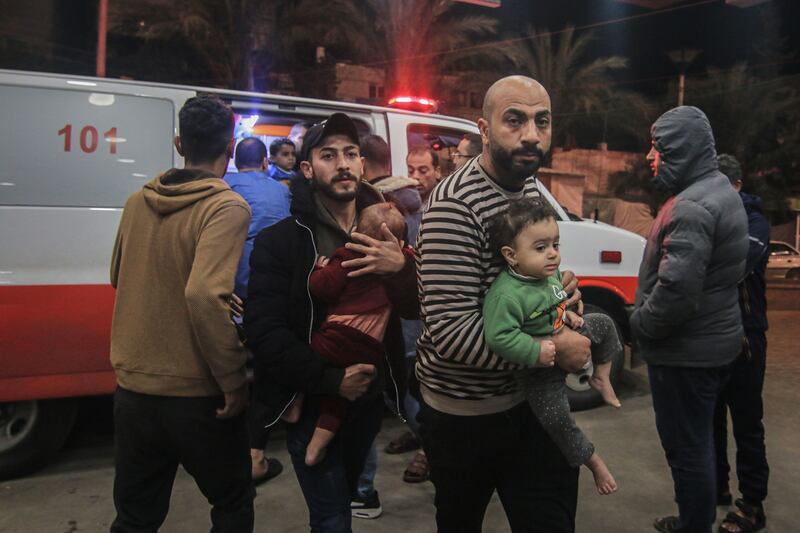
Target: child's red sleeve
327, 283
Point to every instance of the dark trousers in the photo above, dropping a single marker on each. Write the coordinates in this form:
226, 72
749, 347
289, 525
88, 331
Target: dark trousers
153, 434
257, 419
472, 456
328, 485
742, 395
684, 400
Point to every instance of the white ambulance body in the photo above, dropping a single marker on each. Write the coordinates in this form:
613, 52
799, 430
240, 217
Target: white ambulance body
72, 149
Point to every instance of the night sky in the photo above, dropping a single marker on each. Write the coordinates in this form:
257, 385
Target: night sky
725, 34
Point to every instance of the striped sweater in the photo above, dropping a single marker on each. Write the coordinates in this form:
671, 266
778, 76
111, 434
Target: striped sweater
458, 374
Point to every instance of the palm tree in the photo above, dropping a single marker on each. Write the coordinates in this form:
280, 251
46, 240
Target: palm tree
418, 41
229, 35
756, 120
584, 94
747, 112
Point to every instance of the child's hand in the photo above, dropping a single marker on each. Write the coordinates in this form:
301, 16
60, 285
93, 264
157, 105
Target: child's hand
322, 261
547, 354
573, 319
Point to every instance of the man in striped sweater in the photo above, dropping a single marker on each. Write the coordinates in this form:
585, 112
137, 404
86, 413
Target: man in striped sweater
478, 432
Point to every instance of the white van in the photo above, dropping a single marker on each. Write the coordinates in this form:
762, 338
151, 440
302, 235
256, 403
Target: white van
73, 149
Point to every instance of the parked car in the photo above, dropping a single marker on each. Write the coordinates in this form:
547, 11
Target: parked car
784, 261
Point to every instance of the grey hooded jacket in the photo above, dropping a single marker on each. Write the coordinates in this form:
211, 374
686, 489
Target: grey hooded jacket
687, 311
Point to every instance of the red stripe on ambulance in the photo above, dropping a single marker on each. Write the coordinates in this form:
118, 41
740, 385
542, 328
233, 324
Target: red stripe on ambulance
55, 341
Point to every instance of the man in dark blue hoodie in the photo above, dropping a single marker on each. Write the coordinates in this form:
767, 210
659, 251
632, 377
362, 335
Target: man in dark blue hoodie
742, 394
686, 319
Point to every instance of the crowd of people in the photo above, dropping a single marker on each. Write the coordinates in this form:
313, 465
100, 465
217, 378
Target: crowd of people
347, 288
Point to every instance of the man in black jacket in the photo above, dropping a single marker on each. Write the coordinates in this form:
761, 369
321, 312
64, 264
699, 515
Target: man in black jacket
280, 315
686, 319
742, 394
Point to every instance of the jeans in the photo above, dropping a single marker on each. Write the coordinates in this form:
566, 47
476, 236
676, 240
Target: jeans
412, 411
328, 486
684, 400
153, 434
412, 329
742, 395
366, 481
472, 456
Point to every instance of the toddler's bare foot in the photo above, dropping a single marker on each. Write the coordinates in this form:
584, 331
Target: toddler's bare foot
603, 480
602, 384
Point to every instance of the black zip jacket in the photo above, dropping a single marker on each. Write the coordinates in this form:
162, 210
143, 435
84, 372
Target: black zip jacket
280, 315
753, 289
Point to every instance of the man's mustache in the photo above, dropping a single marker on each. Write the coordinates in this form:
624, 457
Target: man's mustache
343, 176
527, 152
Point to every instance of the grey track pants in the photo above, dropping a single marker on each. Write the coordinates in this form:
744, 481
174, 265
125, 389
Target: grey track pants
546, 391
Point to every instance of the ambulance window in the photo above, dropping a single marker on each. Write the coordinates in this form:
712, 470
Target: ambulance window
75, 148
270, 126
443, 140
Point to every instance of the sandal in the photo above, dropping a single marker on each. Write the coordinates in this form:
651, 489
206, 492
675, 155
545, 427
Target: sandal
402, 444
418, 469
753, 519
274, 467
667, 524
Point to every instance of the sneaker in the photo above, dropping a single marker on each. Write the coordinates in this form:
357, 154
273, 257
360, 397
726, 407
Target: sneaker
369, 507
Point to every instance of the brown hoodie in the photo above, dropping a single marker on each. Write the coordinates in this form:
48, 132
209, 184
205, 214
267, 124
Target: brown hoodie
178, 245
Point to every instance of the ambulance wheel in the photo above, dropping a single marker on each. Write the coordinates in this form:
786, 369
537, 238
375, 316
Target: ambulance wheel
31, 432
581, 395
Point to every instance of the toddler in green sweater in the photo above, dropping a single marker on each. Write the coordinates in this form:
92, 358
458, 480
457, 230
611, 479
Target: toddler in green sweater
524, 307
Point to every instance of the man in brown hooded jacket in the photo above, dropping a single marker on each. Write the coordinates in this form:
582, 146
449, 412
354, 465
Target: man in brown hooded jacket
179, 363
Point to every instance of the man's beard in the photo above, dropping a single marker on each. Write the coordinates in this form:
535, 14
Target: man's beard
518, 170
337, 196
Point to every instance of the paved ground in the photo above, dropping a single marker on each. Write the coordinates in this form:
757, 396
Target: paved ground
74, 493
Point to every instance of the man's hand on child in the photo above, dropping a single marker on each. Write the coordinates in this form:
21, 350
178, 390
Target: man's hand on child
380, 257
322, 261
356, 381
573, 320
547, 354
573, 350
570, 283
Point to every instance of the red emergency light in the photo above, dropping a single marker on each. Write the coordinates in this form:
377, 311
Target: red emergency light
413, 103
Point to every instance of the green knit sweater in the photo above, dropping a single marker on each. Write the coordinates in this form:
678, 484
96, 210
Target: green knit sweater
517, 309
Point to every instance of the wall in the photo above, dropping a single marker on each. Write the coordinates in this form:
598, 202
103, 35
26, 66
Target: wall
567, 188
596, 165
354, 82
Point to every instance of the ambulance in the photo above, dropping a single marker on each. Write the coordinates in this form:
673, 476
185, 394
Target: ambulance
72, 149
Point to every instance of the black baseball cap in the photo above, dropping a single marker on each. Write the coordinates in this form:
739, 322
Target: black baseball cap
336, 124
